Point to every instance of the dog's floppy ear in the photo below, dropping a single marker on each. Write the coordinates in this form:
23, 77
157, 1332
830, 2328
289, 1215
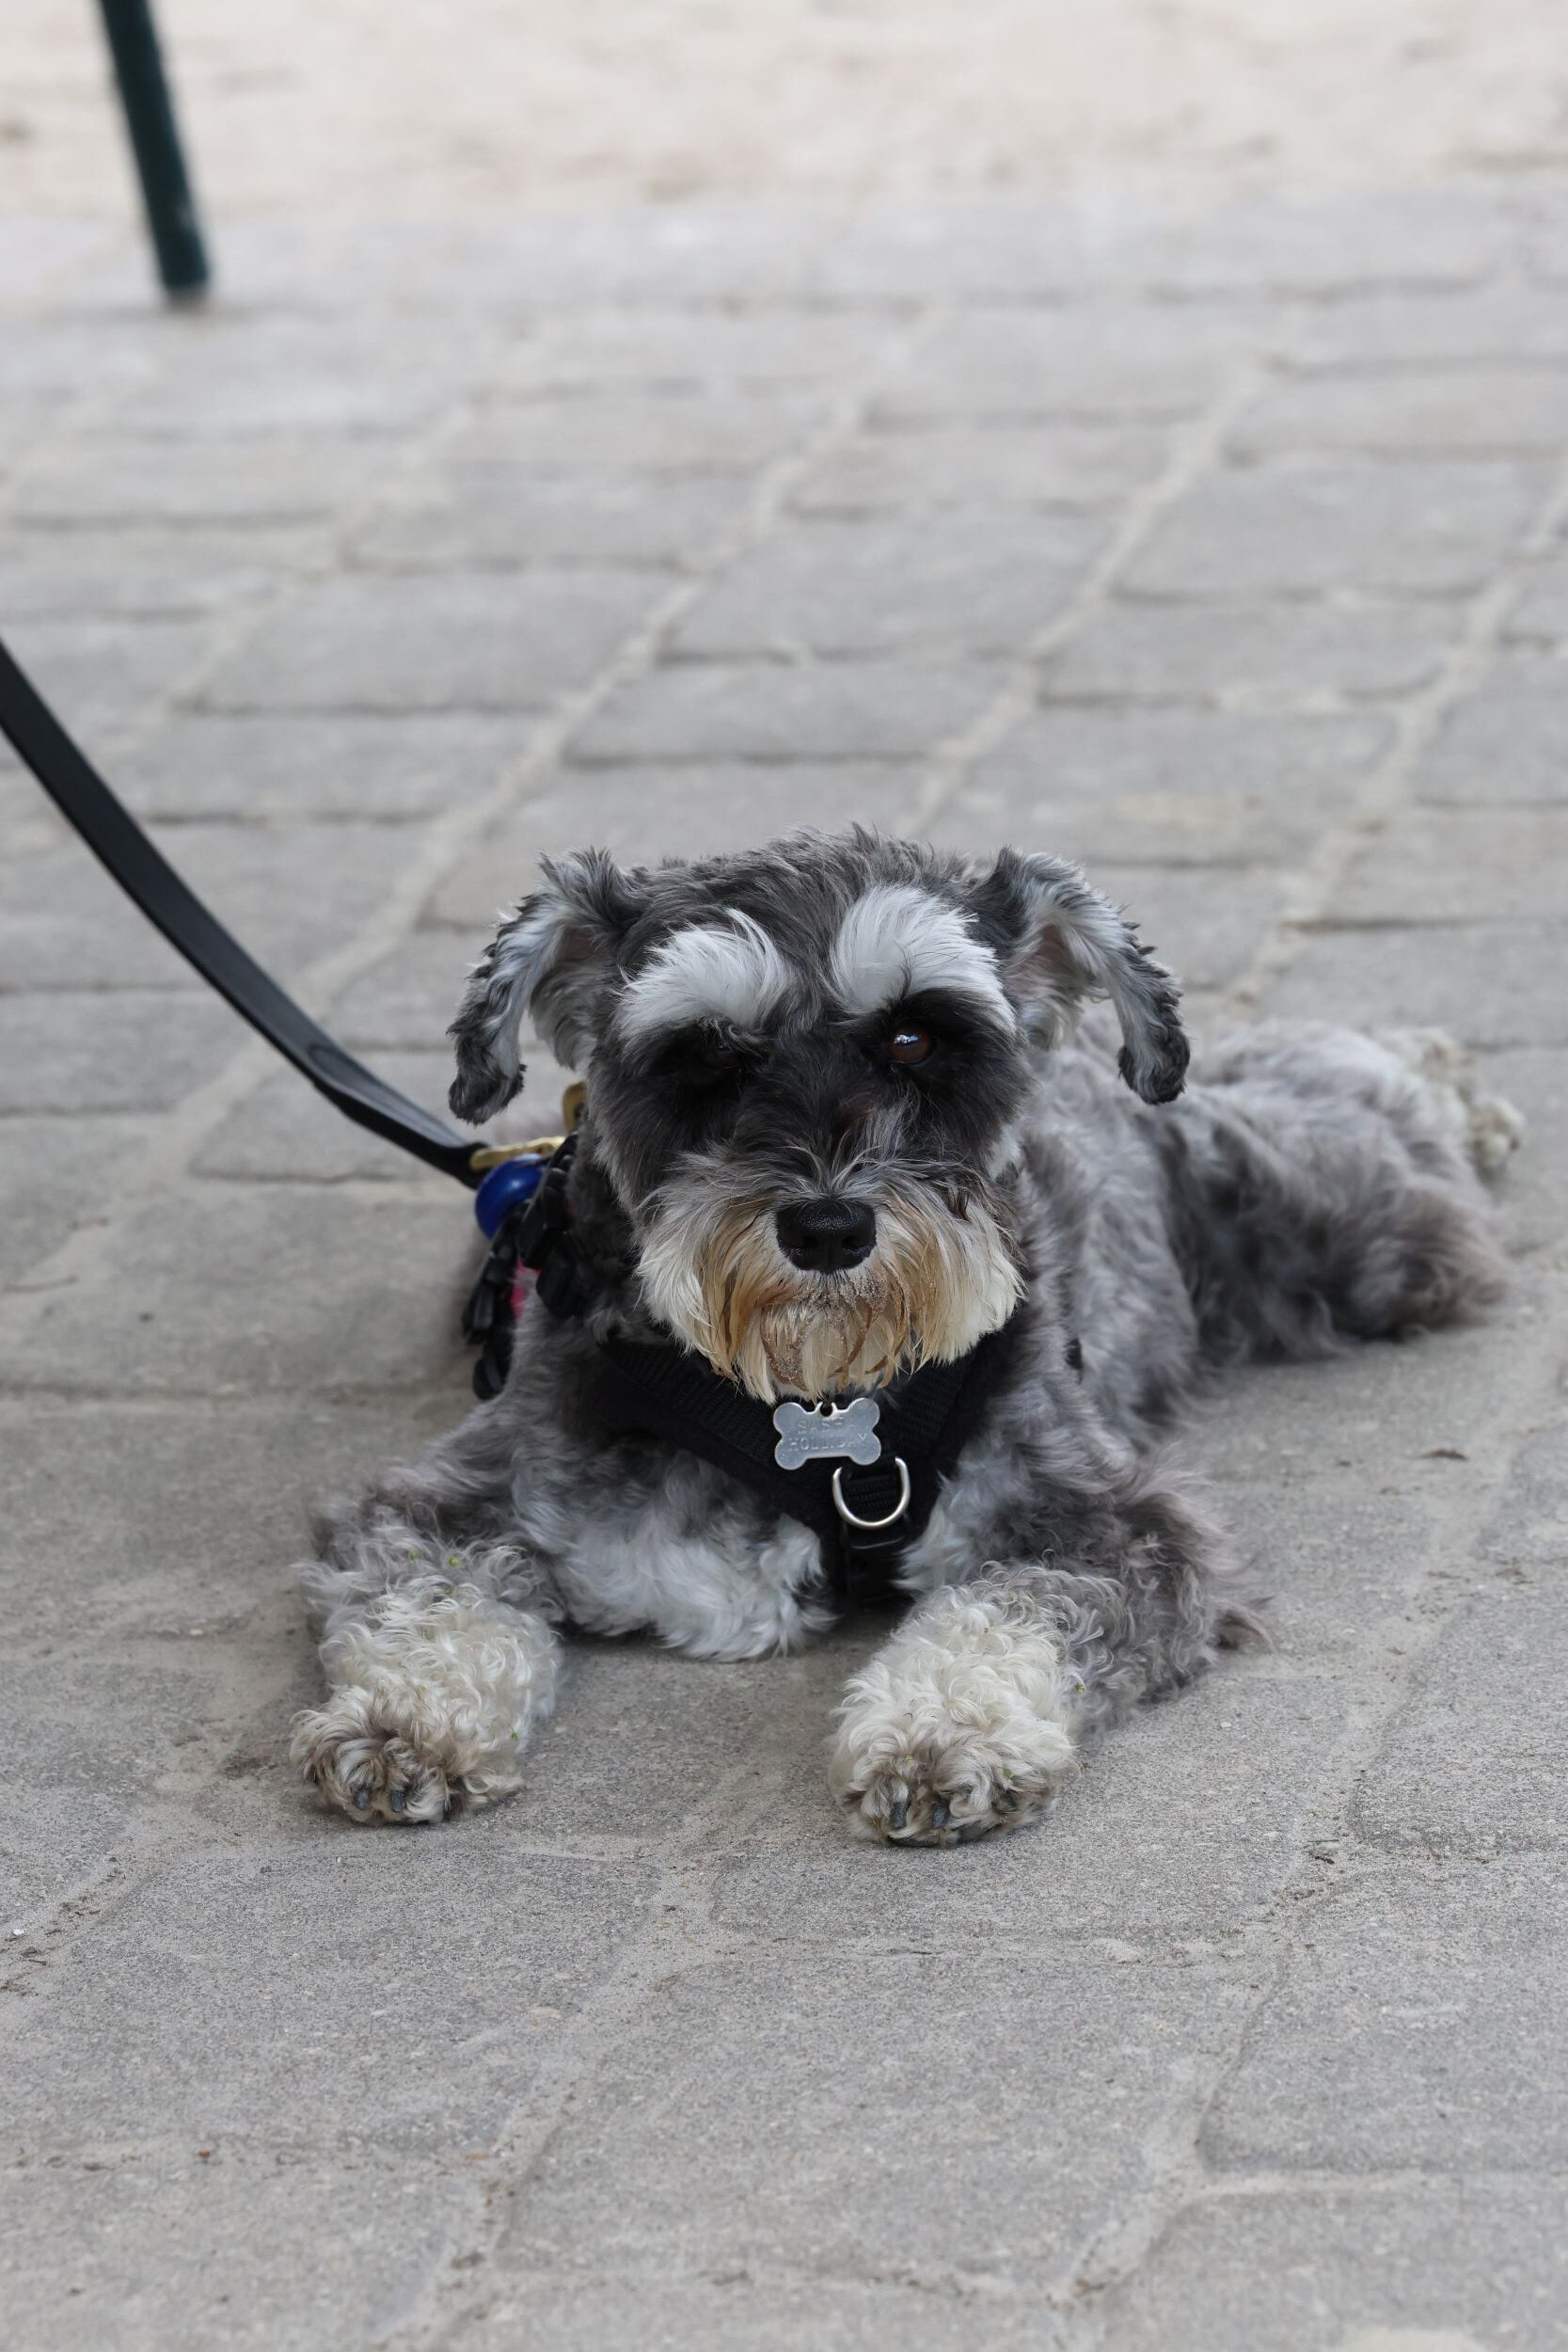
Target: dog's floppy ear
549, 959
1058, 942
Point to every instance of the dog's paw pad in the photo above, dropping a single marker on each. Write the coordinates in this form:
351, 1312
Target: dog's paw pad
369, 1773
942, 1800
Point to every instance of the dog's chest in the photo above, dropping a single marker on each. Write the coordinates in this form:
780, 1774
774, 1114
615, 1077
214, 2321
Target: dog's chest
682, 1553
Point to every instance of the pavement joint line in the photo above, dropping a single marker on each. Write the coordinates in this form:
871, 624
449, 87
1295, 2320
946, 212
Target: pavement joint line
583, 2050
1192, 452
167, 1155
1388, 789
1313, 2181
1268, 1938
1273, 1935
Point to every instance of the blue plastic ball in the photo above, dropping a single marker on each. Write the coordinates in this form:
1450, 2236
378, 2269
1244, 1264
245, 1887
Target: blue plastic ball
503, 1189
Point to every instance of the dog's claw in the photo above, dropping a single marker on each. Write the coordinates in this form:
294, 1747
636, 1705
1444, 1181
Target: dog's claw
398, 1800
362, 1799
899, 1815
939, 1813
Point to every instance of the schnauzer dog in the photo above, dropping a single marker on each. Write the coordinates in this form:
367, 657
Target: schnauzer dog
870, 1269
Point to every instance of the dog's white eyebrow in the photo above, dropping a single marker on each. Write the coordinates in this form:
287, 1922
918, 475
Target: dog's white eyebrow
896, 941
728, 971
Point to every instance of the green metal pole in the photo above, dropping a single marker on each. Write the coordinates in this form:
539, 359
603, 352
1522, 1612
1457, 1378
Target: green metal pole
166, 187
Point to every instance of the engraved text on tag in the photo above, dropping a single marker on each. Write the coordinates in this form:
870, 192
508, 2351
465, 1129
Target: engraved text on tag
809, 1434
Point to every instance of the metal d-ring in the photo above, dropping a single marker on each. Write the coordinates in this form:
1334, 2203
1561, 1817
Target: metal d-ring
869, 1526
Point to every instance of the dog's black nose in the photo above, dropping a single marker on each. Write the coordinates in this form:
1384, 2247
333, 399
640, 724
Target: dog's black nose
826, 1236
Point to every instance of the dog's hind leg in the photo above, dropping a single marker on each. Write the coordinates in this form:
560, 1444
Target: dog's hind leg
1324, 1188
437, 1642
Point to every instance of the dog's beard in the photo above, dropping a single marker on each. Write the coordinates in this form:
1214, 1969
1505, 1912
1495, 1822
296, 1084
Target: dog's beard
940, 1276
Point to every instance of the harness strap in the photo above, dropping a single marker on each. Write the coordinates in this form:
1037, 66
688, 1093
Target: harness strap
865, 1516
146, 876
923, 1421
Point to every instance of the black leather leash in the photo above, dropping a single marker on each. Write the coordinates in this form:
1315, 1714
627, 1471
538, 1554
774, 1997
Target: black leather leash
866, 1515
146, 876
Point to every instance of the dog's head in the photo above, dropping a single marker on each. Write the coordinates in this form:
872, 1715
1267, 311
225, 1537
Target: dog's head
806, 1069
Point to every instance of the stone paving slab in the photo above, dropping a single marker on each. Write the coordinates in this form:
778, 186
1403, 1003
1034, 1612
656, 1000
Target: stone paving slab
203, 2002
760, 2311
1493, 984
1507, 317
185, 2249
1413, 2020
763, 2101
1483, 412
331, 766
156, 1547
1227, 651
711, 711
1462, 866
643, 433
1434, 527
1032, 465
1540, 613
219, 376
1477, 1761
109, 1049
290, 890
107, 671
597, 351
54, 1173
473, 641
482, 513
870, 586
1131, 361
1225, 551
230, 1289
637, 809
119, 481
1188, 788
1384, 2269
1506, 741
147, 573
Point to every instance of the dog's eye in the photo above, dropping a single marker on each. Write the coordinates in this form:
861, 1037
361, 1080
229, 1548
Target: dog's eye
721, 1058
910, 1045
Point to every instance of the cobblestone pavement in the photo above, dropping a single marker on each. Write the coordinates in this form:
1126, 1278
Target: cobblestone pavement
1229, 557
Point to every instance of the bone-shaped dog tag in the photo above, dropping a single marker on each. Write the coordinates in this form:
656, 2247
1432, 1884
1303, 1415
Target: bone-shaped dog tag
809, 1434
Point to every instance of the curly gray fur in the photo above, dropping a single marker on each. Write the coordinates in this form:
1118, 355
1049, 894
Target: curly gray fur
1312, 1188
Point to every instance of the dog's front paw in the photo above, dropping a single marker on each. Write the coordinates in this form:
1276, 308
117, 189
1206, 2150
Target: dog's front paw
959, 1727
436, 1688
364, 1764
946, 1791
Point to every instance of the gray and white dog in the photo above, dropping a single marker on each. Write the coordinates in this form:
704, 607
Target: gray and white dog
846, 1119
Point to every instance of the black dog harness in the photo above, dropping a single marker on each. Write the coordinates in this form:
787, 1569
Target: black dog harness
863, 1473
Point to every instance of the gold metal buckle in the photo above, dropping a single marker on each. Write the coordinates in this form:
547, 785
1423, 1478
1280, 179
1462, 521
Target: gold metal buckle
537, 1147
497, 1155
